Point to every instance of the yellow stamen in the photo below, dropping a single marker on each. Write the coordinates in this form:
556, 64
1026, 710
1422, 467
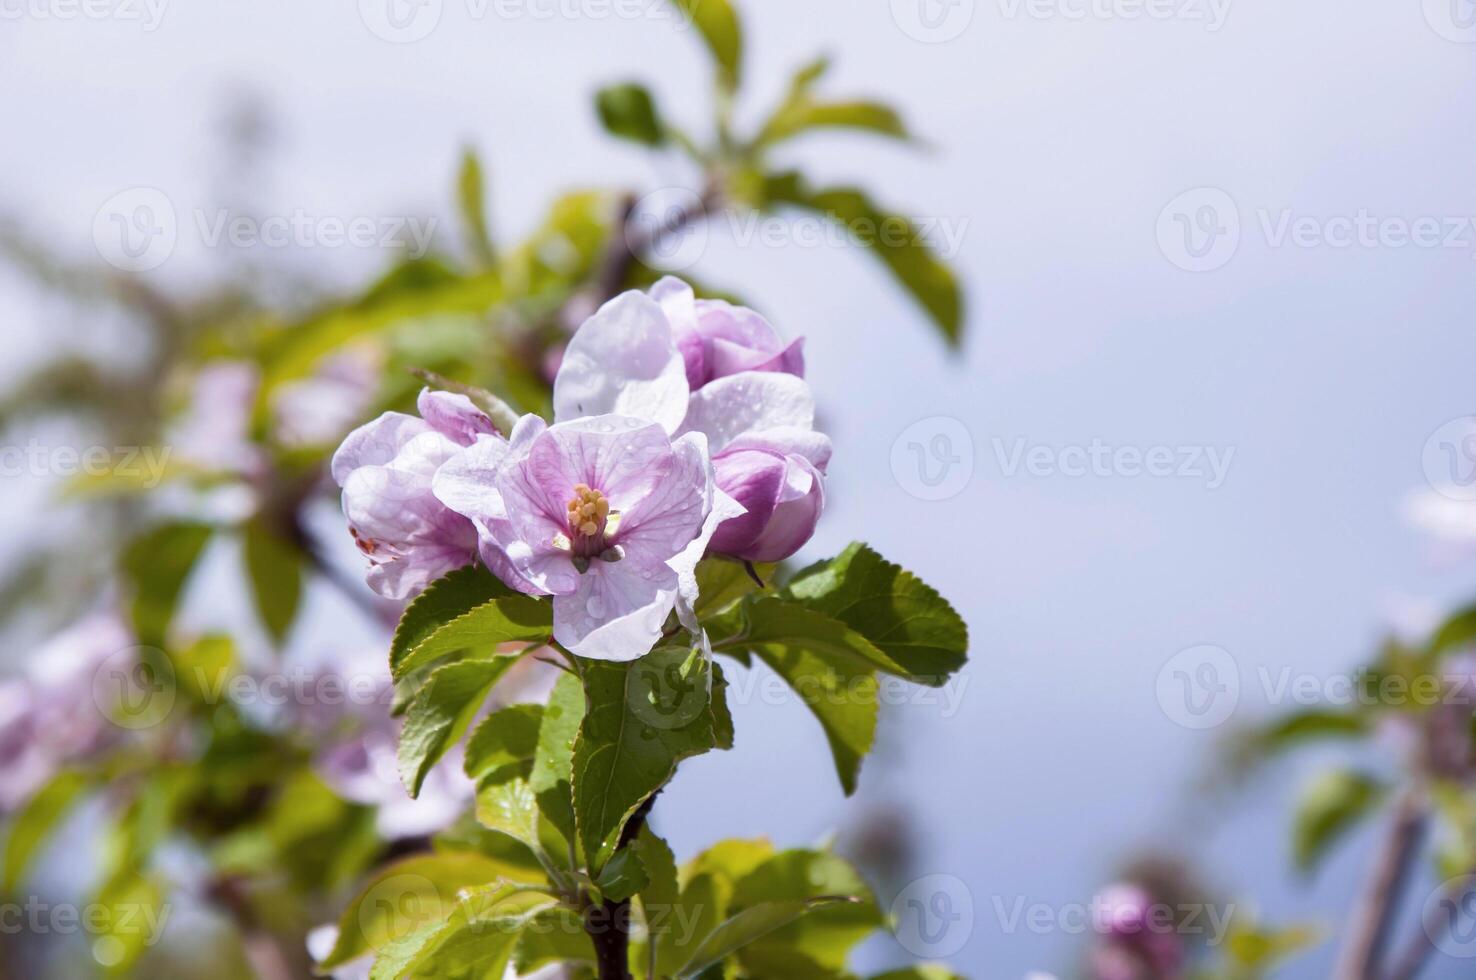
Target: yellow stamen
588, 513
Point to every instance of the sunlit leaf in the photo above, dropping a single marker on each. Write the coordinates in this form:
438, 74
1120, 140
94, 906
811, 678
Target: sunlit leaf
441, 713
634, 735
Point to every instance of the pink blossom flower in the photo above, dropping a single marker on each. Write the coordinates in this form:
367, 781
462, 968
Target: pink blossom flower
717, 339
777, 476
609, 515
386, 469
636, 357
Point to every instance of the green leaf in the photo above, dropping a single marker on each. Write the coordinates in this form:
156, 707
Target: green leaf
471, 195
203, 668
843, 697
157, 565
828, 936
769, 624
629, 112
467, 609
1310, 725
1258, 950
659, 898
553, 761
406, 897
476, 940
554, 935
441, 713
514, 858
748, 926
730, 860
717, 21
623, 875
129, 916
274, 568
1332, 805
448, 597
923, 971
37, 819
643, 718
506, 804
892, 238
505, 737
874, 117
721, 582
682, 927
801, 111
894, 609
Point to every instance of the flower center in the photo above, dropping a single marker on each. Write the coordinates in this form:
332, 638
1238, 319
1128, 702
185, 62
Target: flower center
589, 517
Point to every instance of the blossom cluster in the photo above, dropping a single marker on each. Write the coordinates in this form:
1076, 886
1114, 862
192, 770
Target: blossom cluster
682, 428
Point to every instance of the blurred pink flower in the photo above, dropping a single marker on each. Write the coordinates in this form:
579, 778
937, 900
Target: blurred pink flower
319, 409
386, 469
50, 717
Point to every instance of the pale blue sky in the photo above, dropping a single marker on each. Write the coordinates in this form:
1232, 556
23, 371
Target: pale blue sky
1055, 143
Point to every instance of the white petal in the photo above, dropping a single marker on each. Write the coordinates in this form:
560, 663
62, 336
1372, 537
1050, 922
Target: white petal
623, 361
787, 441
752, 401
618, 611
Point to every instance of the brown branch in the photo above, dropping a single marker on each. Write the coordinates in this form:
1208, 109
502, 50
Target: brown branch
631, 242
608, 923
1369, 926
